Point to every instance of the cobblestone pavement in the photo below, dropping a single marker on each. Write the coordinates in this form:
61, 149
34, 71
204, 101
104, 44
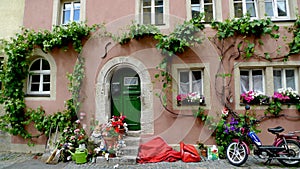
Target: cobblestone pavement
31, 161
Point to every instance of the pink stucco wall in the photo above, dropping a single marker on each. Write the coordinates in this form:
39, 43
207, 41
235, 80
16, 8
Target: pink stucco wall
38, 15
104, 11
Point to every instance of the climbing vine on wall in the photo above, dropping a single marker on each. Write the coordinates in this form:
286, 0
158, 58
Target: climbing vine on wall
18, 50
295, 44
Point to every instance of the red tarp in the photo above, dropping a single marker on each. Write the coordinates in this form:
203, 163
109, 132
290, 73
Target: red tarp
157, 150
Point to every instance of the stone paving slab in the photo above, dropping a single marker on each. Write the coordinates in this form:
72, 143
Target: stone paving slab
10, 160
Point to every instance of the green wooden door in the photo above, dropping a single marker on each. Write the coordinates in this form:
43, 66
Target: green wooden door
125, 96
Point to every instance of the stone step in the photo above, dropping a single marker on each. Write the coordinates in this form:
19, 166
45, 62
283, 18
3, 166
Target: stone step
132, 141
134, 133
128, 160
130, 150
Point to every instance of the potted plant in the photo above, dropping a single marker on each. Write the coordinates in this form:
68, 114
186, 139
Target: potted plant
200, 114
203, 149
254, 97
190, 99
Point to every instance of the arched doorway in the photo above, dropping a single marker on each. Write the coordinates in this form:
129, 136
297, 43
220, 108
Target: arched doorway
125, 87
103, 110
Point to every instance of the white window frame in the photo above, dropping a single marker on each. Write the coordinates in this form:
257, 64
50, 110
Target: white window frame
283, 77
57, 16
71, 11
244, 6
152, 19
41, 73
201, 5
275, 11
251, 79
139, 14
206, 87
190, 79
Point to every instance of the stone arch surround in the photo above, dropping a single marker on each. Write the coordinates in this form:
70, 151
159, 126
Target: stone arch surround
103, 109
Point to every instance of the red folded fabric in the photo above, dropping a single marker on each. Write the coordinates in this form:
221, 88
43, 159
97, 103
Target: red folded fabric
189, 153
157, 150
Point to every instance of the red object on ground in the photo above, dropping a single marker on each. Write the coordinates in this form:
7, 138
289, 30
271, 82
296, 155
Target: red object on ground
189, 153
157, 150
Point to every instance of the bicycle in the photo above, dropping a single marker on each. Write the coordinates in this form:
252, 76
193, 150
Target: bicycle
285, 148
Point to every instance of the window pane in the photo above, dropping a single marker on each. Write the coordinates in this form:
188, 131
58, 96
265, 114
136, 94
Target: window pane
251, 9
195, 11
184, 82
159, 15
208, 1
184, 77
1, 63
66, 17
195, 1
46, 78
257, 80
147, 3
244, 75
35, 78
76, 15
281, 7
290, 79
208, 9
238, 10
269, 8
36, 65
277, 79
196, 82
1, 68
159, 2
45, 65
35, 87
67, 6
147, 16
46, 87
77, 5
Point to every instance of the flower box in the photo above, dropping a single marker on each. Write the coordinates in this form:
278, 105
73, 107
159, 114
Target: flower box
254, 98
190, 99
286, 96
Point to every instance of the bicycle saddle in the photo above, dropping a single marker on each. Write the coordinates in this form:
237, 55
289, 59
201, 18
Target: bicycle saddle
276, 130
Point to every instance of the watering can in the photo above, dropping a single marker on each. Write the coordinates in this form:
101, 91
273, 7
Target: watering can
80, 155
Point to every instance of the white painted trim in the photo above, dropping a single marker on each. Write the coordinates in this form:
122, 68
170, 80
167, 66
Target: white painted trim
38, 53
206, 83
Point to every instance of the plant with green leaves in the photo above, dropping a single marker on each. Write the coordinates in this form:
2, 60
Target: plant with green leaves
227, 129
200, 113
294, 45
18, 50
137, 31
245, 27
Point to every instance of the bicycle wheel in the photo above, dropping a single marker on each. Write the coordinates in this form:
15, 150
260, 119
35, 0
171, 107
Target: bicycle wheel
294, 151
236, 154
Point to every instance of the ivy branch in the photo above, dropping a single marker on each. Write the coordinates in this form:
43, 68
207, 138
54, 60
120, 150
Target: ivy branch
18, 50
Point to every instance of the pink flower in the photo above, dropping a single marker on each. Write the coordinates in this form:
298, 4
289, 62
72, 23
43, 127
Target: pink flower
72, 137
280, 96
225, 111
77, 121
76, 130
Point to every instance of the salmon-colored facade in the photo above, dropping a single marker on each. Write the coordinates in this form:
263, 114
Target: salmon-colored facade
176, 123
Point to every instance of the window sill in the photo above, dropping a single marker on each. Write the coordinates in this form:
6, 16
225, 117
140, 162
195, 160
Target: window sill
37, 95
187, 103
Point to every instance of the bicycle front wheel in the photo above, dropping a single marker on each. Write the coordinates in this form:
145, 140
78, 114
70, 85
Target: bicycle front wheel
293, 151
236, 153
